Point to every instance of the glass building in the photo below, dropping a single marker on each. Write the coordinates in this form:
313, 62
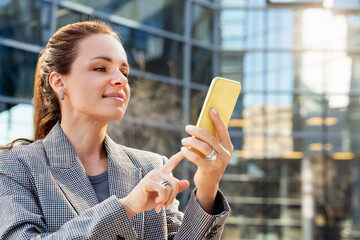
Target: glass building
295, 171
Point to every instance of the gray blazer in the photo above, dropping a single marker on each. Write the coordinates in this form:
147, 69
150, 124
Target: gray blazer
46, 194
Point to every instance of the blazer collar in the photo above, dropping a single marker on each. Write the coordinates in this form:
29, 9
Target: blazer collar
71, 177
68, 171
58, 148
62, 155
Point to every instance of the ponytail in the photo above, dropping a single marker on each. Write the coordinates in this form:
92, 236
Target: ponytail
22, 141
46, 104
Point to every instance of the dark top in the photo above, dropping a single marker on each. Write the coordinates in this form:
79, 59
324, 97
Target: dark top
100, 184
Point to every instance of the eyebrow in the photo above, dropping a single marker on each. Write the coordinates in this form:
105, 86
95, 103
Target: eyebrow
109, 60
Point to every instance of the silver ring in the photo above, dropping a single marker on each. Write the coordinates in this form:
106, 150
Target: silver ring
165, 182
212, 155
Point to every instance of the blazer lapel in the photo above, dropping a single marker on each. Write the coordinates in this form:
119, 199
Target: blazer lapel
123, 177
71, 177
68, 171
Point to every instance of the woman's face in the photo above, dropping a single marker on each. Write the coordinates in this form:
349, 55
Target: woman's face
97, 85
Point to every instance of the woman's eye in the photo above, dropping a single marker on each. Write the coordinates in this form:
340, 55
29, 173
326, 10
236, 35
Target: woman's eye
99, 69
124, 72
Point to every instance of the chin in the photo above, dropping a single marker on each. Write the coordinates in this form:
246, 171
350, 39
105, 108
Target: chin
115, 115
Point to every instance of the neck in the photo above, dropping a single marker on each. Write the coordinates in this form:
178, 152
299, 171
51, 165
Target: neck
87, 139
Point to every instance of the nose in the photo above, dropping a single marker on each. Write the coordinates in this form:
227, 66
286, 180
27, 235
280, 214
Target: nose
119, 80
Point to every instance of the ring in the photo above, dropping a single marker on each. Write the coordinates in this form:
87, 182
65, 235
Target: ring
212, 155
165, 182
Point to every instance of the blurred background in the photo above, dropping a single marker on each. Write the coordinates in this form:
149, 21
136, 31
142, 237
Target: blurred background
295, 171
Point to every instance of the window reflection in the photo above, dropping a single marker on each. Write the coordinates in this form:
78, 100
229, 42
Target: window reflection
253, 68
196, 102
163, 14
232, 66
146, 52
154, 101
201, 66
355, 73
16, 122
202, 28
298, 126
17, 69
67, 16
25, 20
242, 3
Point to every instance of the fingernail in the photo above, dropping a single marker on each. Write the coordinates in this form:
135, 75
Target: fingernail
182, 148
189, 127
183, 140
214, 111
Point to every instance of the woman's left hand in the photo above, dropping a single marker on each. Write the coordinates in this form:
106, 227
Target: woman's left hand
209, 172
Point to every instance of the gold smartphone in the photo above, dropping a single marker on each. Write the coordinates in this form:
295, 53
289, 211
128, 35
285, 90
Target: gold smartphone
222, 95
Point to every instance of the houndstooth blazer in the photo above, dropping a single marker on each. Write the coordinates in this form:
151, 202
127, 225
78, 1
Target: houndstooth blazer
46, 194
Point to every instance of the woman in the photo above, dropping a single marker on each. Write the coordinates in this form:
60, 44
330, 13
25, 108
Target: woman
74, 182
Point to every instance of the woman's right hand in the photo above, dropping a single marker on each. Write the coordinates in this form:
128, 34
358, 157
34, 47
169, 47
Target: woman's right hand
149, 193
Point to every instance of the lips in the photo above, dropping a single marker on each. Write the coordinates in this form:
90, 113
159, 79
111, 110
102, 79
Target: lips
114, 95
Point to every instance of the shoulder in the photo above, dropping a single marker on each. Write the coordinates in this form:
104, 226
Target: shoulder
18, 161
23, 153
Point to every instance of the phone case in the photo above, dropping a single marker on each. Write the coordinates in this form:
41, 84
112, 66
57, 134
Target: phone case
222, 95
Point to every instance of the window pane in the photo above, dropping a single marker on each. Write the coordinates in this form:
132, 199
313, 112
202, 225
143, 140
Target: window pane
255, 29
233, 28
232, 65
196, 102
15, 122
201, 66
353, 21
295, 2
347, 3
254, 71
17, 70
242, 3
28, 21
150, 138
145, 52
307, 110
202, 29
355, 72
164, 14
280, 72
280, 28
67, 16
150, 53
352, 128
154, 101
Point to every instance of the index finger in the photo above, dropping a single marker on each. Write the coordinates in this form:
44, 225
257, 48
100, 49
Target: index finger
221, 128
172, 163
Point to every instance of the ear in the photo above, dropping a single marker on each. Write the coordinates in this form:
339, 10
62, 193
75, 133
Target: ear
56, 81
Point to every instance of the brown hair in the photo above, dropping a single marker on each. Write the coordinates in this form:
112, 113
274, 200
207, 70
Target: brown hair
57, 56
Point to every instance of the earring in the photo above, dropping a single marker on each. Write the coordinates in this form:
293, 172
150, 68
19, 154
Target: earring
62, 97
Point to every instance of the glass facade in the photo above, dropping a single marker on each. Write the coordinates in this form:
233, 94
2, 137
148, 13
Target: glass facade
25, 21
295, 171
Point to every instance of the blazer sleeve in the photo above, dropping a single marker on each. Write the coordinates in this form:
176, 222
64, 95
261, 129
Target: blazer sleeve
22, 218
195, 223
